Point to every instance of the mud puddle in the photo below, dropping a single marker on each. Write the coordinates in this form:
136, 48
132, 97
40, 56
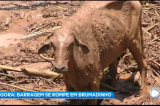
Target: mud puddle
10, 38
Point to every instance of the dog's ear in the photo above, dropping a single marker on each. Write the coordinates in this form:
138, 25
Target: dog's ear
45, 48
84, 47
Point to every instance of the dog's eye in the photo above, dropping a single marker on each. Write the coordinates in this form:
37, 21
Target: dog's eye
66, 54
70, 46
54, 47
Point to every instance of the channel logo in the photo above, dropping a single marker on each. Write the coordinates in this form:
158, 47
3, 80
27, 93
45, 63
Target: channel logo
154, 93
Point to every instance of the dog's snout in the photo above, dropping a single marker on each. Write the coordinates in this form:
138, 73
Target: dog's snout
60, 68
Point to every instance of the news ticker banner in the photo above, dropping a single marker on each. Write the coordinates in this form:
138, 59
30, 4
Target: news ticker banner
56, 95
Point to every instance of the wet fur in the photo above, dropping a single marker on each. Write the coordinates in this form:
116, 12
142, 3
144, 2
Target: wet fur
102, 31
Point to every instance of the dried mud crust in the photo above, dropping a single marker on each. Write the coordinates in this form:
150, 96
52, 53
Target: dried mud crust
26, 52
60, 11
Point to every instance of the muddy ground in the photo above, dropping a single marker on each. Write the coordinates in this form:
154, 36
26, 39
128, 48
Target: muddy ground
20, 18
